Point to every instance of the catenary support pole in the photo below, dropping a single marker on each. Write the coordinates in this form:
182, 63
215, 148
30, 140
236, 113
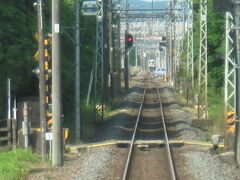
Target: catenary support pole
190, 59
171, 46
202, 71
57, 154
42, 82
230, 79
237, 132
77, 78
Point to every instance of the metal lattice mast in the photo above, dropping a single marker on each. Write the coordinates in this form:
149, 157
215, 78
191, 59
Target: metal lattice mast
190, 67
174, 58
177, 42
171, 79
180, 37
230, 75
98, 69
178, 50
168, 43
229, 98
202, 79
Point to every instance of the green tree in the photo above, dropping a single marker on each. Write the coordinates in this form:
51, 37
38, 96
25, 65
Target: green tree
17, 28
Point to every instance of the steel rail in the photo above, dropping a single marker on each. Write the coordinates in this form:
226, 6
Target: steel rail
133, 137
171, 167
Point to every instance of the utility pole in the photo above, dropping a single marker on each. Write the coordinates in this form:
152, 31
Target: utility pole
57, 156
42, 82
77, 78
237, 45
106, 48
110, 47
126, 51
119, 55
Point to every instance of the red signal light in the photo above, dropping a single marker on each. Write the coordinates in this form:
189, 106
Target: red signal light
129, 40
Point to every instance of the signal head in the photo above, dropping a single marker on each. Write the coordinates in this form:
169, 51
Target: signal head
129, 40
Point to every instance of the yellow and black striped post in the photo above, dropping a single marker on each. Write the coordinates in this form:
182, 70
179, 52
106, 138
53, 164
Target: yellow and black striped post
231, 120
48, 84
230, 130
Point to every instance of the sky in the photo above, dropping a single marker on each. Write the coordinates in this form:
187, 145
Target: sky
141, 4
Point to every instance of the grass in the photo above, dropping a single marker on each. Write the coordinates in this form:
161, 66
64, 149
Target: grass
16, 164
216, 112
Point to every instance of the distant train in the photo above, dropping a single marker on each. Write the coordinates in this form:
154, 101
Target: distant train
151, 64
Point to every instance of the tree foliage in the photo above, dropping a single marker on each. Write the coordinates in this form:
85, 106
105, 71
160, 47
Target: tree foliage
17, 28
216, 56
215, 45
18, 46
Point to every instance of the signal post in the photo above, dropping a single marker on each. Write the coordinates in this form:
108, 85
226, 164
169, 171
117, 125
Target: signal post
128, 44
41, 74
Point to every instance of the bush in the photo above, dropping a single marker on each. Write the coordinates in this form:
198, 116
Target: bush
16, 164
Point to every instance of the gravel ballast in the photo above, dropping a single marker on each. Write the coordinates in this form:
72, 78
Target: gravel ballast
87, 165
203, 165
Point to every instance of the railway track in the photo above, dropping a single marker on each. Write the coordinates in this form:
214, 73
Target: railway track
139, 158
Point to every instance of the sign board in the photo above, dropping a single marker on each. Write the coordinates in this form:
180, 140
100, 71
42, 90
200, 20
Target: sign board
48, 136
89, 8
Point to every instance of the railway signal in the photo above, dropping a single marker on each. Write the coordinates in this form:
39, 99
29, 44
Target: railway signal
162, 45
129, 40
